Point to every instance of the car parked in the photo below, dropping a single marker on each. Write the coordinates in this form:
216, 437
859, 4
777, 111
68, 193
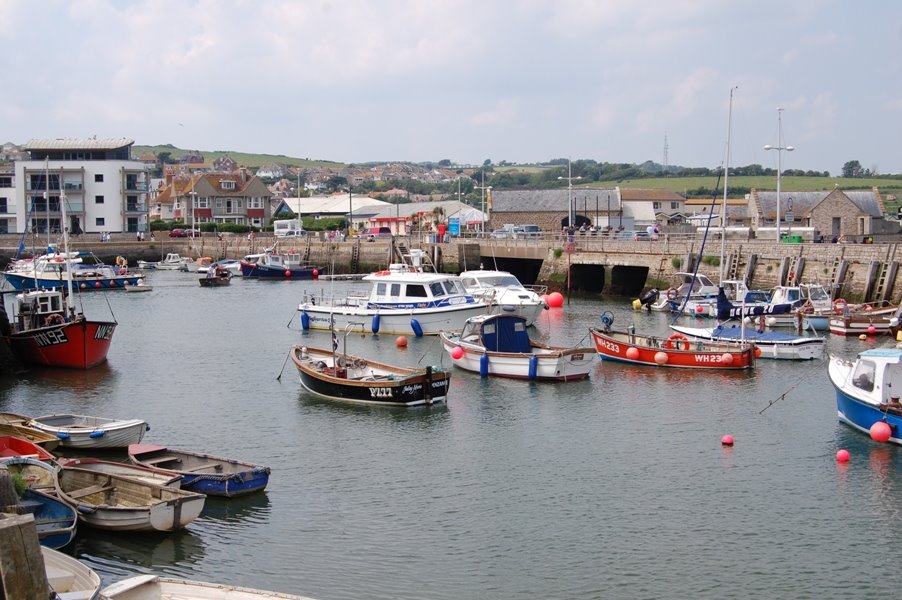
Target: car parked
376, 232
180, 233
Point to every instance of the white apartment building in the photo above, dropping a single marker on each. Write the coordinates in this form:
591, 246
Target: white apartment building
104, 189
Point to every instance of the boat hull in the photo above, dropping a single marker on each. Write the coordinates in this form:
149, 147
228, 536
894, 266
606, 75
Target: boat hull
117, 503
857, 325
69, 577
368, 382
774, 345
25, 282
80, 344
54, 520
671, 353
551, 364
431, 321
153, 587
277, 273
203, 473
75, 431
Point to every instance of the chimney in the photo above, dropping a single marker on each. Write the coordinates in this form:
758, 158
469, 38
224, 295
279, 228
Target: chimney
243, 172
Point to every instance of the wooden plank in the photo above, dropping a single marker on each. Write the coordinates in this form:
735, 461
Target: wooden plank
21, 563
202, 467
161, 459
88, 491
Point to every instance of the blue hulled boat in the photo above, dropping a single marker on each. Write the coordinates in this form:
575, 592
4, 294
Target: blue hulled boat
203, 473
273, 265
54, 519
868, 389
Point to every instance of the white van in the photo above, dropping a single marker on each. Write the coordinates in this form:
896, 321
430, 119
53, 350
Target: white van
288, 228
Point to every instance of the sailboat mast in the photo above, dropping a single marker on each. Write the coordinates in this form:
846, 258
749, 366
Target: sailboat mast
726, 179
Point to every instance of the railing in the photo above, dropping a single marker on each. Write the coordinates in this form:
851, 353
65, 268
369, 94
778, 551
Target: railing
136, 187
132, 207
72, 187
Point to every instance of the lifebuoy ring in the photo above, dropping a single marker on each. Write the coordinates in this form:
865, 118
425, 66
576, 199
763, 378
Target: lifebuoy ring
383, 272
840, 306
54, 319
671, 294
674, 342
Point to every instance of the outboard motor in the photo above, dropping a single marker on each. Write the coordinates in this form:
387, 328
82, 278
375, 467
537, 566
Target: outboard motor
649, 298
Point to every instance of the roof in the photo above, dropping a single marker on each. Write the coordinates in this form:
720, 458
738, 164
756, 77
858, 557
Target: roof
655, 195
336, 204
450, 208
554, 200
801, 203
92, 143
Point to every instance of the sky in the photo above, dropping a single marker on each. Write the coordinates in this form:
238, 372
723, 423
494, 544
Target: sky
522, 81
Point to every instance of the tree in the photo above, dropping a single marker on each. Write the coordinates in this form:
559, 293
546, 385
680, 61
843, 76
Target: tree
851, 169
445, 162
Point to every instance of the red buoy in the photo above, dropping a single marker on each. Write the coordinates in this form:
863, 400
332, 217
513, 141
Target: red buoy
401, 342
287, 273
842, 455
727, 440
457, 353
881, 432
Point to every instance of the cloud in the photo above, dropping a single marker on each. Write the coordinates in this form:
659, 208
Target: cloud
504, 113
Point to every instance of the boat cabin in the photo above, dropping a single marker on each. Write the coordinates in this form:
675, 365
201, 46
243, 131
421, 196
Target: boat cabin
39, 308
498, 333
399, 289
878, 373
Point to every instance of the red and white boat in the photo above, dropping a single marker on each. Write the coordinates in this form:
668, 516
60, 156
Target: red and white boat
47, 331
673, 351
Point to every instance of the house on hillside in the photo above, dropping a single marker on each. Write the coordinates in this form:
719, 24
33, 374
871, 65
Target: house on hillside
199, 198
225, 164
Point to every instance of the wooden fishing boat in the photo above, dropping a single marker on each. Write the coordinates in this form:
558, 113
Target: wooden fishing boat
204, 473
154, 587
17, 426
499, 346
869, 390
11, 446
68, 577
675, 351
146, 474
37, 474
54, 519
119, 503
216, 276
340, 376
848, 320
85, 432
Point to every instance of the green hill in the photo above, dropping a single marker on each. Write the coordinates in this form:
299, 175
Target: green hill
244, 159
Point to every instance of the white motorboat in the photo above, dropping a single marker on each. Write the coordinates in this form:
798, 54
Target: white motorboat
402, 300
503, 292
772, 344
694, 285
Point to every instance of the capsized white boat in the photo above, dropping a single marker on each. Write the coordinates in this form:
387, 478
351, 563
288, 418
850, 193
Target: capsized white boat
153, 587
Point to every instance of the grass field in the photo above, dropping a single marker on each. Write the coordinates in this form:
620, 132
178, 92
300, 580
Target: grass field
788, 183
244, 159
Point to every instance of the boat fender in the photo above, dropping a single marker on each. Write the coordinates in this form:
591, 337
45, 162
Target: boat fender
305, 320
62, 435
375, 324
417, 330
97, 434
533, 366
484, 365
54, 319
84, 508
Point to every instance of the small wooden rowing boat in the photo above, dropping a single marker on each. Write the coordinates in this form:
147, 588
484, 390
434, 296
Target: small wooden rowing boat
118, 503
17, 425
211, 475
37, 474
54, 519
122, 469
12, 446
80, 431
153, 587
68, 577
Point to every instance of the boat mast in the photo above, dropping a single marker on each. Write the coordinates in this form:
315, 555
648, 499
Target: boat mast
64, 226
726, 177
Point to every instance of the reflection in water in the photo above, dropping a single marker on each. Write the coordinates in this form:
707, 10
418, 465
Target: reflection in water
395, 413
234, 513
125, 553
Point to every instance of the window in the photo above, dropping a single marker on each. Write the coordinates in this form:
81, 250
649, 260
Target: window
674, 205
98, 199
416, 290
863, 377
656, 205
219, 203
437, 290
4, 225
227, 185
4, 208
6, 182
99, 222
98, 177
255, 203
203, 202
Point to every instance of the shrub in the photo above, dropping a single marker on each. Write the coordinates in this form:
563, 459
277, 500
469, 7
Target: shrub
558, 252
676, 262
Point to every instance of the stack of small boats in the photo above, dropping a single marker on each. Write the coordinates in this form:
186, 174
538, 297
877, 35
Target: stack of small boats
138, 495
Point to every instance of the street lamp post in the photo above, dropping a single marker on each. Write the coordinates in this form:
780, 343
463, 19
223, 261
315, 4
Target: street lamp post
779, 148
570, 179
350, 210
482, 187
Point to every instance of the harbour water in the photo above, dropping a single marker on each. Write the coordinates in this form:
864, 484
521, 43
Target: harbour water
615, 487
